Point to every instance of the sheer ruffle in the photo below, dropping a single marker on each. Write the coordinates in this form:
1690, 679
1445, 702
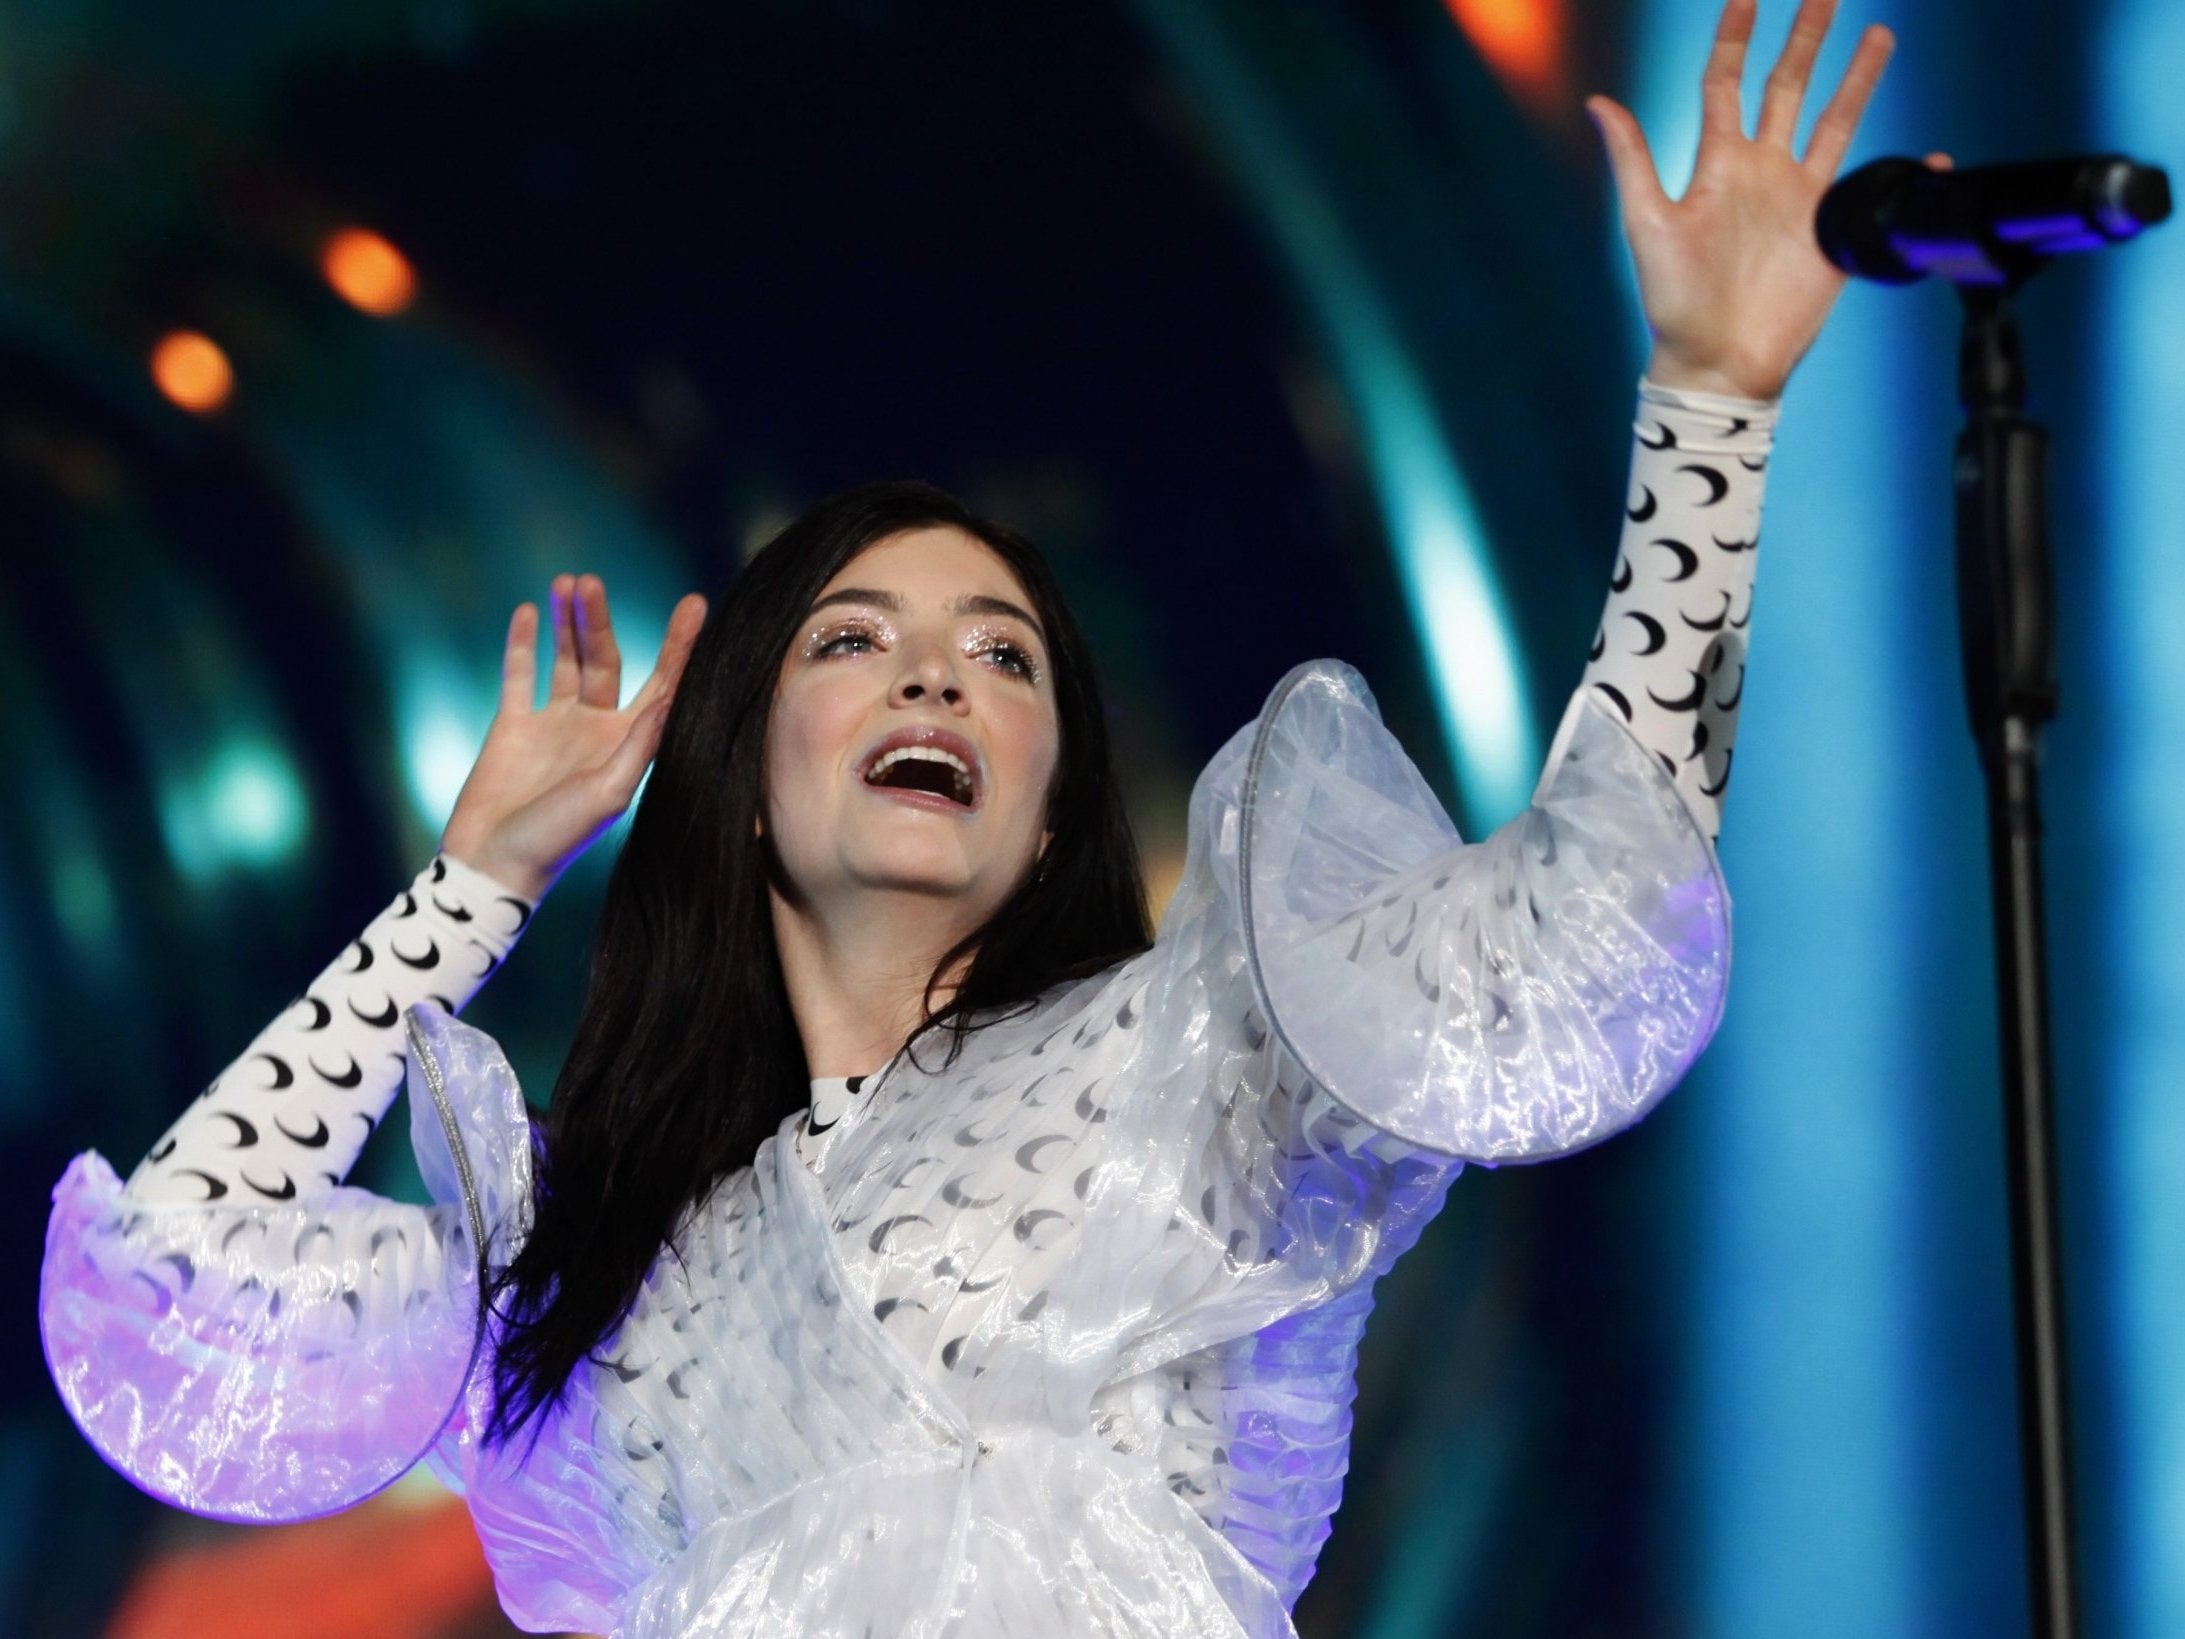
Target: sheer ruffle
277, 1361
1519, 998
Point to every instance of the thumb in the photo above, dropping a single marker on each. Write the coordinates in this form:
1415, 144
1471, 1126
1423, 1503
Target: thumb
1630, 160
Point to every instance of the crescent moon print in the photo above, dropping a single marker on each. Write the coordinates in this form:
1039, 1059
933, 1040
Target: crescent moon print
1736, 694
1753, 463
1600, 645
1714, 625
431, 958
1668, 438
285, 1192
1715, 483
1687, 559
321, 1014
214, 1187
310, 1141
887, 1226
952, 1192
1737, 546
1028, 1152
1656, 634
1645, 509
454, 913
1689, 702
1616, 698
364, 956
1028, 1224
1621, 580
408, 902
283, 1076
380, 1020
245, 1133
1729, 754
350, 1077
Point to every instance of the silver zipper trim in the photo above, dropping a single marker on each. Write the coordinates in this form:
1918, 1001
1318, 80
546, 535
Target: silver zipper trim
467, 1182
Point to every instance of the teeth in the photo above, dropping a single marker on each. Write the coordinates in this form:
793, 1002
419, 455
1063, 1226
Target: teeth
924, 754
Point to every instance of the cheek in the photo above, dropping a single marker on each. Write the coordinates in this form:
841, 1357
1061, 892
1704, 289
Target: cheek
1035, 748
800, 744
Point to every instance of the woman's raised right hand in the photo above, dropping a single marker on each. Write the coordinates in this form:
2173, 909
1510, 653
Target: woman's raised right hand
551, 778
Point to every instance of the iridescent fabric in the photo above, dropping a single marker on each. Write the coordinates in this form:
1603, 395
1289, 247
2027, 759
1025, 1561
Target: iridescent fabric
1059, 1338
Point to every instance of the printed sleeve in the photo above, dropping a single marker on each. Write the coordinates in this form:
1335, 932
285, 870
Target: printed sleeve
1669, 656
238, 1332
287, 1119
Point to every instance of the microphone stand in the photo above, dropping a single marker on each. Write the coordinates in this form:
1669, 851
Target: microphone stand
2006, 620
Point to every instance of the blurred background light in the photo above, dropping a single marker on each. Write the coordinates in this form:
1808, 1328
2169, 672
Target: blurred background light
192, 371
368, 272
1523, 41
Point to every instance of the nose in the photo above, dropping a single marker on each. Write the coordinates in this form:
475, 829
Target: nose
928, 673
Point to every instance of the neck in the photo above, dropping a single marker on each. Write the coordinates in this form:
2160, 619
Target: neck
856, 974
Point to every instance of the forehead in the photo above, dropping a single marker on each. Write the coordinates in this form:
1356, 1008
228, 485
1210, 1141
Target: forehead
932, 565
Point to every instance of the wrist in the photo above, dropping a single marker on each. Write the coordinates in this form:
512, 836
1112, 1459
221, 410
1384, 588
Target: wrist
511, 878
1666, 368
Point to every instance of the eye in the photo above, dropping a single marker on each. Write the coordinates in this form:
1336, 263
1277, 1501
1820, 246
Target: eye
1005, 656
842, 640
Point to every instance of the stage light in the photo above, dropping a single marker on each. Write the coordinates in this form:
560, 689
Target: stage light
192, 372
244, 807
1522, 41
368, 273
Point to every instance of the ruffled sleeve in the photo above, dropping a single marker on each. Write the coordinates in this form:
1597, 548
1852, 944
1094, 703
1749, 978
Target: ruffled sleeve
276, 1362
1506, 1000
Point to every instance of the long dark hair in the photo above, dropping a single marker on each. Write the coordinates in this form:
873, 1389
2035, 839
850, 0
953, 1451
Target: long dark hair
686, 1054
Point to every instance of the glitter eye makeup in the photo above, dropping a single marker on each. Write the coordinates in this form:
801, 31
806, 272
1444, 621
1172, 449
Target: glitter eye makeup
836, 638
1009, 655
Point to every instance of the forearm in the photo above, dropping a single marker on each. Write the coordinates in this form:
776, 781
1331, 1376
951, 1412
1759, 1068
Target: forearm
288, 1118
1670, 652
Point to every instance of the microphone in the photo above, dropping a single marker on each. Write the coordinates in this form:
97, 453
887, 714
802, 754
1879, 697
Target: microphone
1897, 220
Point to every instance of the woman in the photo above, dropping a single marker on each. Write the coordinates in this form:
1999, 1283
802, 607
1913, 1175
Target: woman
914, 1246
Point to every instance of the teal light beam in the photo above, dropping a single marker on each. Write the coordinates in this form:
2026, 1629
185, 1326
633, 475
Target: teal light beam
1442, 554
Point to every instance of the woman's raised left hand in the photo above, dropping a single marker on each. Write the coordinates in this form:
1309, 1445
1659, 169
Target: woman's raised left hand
1734, 285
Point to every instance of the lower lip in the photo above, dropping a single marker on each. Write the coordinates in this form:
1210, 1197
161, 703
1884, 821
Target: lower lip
932, 801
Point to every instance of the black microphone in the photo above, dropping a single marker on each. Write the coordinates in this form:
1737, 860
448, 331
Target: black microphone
1898, 220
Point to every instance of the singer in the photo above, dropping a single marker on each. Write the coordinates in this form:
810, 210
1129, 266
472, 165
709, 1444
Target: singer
917, 1244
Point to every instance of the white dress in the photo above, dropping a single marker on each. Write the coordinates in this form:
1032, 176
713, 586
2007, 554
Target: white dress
1056, 1340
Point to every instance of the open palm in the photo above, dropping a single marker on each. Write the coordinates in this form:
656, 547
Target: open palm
1734, 286
551, 778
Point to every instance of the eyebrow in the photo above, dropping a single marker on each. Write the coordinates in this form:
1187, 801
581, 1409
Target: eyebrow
971, 603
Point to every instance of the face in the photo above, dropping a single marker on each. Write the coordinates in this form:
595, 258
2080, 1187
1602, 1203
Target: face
914, 736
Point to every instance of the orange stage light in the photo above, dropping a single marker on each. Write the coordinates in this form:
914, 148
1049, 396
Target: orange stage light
1522, 40
391, 1569
368, 272
192, 371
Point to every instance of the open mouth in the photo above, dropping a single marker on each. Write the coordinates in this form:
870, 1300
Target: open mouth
926, 766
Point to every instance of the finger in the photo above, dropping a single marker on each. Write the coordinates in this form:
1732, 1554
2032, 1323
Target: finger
667, 671
520, 661
1793, 70
598, 656
1719, 112
1839, 121
567, 672
1940, 162
626, 766
1630, 161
